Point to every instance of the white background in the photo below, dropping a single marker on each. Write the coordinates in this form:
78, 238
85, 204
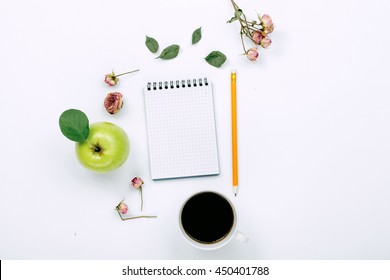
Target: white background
314, 128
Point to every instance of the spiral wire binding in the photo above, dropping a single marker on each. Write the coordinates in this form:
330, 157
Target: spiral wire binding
172, 84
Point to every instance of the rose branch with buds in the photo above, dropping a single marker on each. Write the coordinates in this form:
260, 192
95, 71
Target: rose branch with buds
256, 31
112, 79
122, 209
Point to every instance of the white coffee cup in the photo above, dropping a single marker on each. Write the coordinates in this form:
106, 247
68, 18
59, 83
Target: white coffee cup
233, 233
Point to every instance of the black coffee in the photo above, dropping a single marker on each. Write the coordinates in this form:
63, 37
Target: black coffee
207, 217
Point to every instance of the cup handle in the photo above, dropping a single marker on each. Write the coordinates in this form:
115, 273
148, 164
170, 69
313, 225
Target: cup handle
241, 236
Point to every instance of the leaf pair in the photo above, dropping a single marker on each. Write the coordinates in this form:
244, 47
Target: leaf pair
169, 52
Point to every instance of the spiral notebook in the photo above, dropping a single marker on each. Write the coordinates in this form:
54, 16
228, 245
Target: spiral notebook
181, 128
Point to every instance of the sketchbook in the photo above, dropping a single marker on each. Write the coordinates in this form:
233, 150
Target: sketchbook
181, 129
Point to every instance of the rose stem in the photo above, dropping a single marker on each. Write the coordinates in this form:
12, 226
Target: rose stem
135, 217
126, 73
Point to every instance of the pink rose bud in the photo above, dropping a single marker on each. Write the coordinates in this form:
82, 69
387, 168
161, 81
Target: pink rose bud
137, 182
113, 102
265, 42
111, 79
252, 54
257, 37
122, 208
267, 23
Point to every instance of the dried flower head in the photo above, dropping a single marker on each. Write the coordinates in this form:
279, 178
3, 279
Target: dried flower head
267, 24
122, 208
113, 102
137, 182
112, 79
252, 54
257, 36
265, 42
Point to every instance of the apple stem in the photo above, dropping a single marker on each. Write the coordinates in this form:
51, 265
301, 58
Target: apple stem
97, 149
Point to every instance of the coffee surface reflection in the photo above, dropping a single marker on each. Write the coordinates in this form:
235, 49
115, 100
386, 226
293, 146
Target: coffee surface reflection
207, 217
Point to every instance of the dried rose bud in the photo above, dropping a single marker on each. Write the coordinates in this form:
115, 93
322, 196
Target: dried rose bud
257, 37
111, 79
137, 182
252, 54
265, 42
267, 23
122, 208
113, 102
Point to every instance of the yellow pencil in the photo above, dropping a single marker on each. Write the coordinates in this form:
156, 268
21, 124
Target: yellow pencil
234, 132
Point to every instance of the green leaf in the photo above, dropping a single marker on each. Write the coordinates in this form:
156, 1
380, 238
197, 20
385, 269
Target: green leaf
197, 35
170, 52
151, 44
216, 58
74, 124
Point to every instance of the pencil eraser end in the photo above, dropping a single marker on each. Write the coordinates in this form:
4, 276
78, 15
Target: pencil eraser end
233, 71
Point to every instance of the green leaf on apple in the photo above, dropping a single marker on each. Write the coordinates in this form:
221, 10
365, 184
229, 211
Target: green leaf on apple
74, 124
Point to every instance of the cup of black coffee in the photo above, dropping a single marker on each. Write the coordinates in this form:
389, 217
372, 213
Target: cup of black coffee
208, 221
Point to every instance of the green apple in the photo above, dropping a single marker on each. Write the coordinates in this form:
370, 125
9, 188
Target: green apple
106, 148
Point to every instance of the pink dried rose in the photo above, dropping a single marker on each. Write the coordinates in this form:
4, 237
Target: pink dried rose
265, 42
137, 183
112, 79
252, 54
267, 24
257, 37
113, 102
122, 208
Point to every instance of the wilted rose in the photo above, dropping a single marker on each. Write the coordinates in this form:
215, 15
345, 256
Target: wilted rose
265, 42
111, 79
252, 54
257, 37
137, 182
113, 102
122, 208
267, 23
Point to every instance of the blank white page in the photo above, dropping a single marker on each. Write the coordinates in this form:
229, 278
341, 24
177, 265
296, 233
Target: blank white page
181, 129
